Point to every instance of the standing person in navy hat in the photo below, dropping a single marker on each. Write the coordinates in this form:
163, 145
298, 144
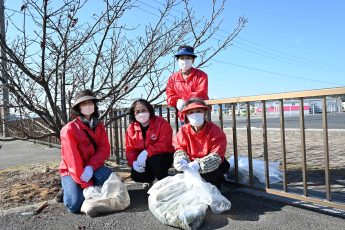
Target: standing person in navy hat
187, 83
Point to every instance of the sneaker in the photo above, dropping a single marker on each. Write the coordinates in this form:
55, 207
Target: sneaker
59, 196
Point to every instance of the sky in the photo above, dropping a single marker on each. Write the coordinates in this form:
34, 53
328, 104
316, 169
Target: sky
286, 46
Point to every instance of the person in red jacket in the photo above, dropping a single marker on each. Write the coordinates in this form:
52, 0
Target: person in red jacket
187, 83
84, 149
201, 145
149, 149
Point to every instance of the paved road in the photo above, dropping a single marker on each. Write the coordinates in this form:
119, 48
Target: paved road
248, 211
15, 153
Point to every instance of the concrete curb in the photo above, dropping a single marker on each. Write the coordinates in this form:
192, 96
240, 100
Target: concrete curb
24, 208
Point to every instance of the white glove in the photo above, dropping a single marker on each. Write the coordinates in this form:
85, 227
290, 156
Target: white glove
180, 104
141, 159
87, 174
181, 165
138, 168
194, 165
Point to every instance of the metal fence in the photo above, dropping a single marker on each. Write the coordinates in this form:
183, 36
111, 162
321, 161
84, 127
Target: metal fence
312, 160
308, 171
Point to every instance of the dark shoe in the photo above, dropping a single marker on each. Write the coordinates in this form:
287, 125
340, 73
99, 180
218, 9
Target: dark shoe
59, 196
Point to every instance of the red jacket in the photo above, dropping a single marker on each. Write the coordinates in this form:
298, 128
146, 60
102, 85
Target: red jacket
196, 85
158, 139
210, 139
77, 150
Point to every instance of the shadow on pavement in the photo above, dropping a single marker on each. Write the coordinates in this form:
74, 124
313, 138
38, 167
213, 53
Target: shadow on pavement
250, 208
139, 201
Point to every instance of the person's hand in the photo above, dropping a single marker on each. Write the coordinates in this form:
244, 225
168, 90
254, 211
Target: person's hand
180, 104
194, 165
181, 165
141, 159
138, 168
87, 174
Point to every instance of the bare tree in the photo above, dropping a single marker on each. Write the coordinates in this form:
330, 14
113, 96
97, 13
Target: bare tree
55, 54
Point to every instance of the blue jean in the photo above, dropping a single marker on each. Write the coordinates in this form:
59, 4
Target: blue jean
73, 196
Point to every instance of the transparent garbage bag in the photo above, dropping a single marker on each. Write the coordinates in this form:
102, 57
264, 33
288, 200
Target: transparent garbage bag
275, 175
112, 196
182, 200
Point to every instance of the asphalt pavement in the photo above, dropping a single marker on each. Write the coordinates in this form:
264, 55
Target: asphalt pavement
17, 152
249, 210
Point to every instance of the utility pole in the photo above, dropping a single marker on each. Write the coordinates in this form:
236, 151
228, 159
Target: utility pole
5, 96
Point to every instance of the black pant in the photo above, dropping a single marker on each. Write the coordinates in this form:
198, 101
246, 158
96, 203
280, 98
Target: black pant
216, 177
157, 166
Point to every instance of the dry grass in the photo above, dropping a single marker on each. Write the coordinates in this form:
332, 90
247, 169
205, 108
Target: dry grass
28, 184
31, 184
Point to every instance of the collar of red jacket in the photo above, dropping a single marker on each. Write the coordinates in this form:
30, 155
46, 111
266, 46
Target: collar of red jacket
192, 72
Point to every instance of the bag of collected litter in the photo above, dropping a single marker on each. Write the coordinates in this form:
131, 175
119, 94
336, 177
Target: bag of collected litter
182, 200
275, 175
112, 196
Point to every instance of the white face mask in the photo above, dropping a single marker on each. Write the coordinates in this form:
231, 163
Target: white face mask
196, 119
185, 64
87, 110
142, 117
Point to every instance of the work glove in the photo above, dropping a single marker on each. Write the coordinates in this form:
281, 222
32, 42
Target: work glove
194, 165
138, 168
181, 165
141, 159
87, 174
180, 104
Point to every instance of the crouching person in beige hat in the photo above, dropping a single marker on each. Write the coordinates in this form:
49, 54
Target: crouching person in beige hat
200, 144
84, 149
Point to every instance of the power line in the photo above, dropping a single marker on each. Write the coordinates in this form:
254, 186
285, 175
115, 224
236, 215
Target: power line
263, 51
279, 74
275, 53
281, 59
289, 55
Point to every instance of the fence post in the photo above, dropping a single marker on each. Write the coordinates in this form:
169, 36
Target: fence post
234, 139
111, 132
176, 120
326, 148
221, 116
249, 141
120, 131
116, 132
264, 134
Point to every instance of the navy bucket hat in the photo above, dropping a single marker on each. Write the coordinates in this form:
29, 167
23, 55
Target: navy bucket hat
185, 51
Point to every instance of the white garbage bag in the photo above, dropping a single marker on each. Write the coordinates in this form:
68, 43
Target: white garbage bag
112, 196
275, 175
182, 200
